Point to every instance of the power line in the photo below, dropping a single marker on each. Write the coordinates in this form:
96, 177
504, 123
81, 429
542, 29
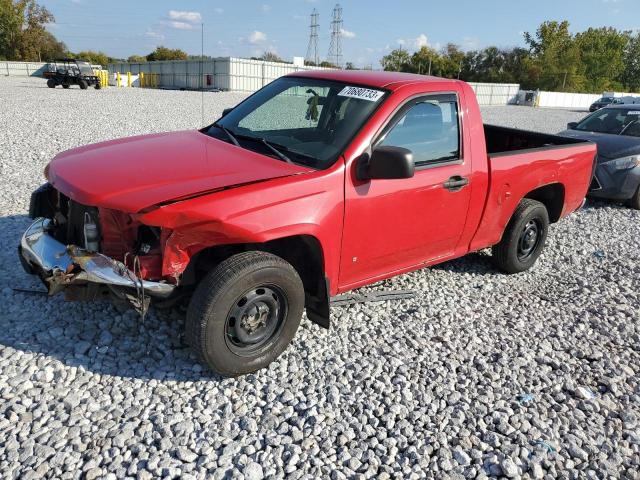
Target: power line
335, 48
312, 49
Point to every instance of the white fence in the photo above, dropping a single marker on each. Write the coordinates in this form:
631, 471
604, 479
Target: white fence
496, 93
27, 69
245, 75
22, 69
574, 100
224, 73
566, 100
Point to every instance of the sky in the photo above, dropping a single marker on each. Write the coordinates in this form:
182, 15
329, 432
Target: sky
371, 29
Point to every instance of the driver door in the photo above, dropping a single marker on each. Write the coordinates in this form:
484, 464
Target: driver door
394, 225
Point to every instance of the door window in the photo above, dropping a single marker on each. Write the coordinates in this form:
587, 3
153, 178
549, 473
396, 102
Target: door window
429, 128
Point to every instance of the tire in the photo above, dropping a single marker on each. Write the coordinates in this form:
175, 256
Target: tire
634, 202
51, 83
65, 86
98, 86
83, 84
524, 238
254, 286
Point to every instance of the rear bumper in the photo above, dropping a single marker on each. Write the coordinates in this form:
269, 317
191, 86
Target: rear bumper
60, 266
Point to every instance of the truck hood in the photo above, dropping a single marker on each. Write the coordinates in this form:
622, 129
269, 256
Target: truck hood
132, 173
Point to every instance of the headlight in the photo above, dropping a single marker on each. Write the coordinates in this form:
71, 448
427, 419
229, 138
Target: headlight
626, 163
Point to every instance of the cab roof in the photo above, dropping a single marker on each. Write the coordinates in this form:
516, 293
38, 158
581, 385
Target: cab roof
376, 79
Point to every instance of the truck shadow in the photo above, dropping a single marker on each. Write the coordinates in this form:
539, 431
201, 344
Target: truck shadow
97, 338
91, 336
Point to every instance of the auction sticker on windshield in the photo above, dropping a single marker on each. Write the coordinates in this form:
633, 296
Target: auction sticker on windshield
361, 93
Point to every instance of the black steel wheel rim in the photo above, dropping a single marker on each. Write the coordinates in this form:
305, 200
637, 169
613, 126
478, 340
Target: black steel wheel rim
529, 239
255, 319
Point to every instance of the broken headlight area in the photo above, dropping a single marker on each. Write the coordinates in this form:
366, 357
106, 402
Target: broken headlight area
91, 252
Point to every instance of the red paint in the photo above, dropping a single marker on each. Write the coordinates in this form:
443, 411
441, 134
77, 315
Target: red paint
132, 173
368, 230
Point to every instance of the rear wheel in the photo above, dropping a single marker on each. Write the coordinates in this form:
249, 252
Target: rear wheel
634, 202
245, 312
523, 239
51, 83
83, 84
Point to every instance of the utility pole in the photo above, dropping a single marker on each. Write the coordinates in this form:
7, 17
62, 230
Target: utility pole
312, 49
335, 48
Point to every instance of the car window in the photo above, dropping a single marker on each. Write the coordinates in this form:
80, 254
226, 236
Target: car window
429, 129
607, 120
633, 128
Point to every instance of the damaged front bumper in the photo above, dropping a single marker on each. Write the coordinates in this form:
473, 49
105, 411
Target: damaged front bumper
61, 266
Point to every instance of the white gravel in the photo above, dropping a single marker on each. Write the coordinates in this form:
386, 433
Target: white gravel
482, 374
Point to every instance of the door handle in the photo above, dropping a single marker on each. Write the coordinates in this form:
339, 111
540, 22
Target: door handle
455, 183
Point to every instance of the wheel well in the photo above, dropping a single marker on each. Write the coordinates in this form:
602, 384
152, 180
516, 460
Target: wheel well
552, 197
303, 252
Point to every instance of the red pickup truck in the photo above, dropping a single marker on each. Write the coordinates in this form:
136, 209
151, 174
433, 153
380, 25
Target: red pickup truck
319, 183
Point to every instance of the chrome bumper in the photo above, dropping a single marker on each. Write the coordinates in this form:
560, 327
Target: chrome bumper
59, 265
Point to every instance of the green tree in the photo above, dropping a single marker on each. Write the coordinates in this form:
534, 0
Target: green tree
452, 61
397, 60
137, 59
630, 75
556, 53
94, 58
350, 66
271, 57
22, 31
601, 56
425, 61
163, 53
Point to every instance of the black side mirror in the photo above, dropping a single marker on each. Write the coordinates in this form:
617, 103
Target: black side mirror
572, 125
387, 163
226, 111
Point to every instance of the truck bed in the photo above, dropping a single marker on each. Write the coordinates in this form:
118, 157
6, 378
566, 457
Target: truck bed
504, 140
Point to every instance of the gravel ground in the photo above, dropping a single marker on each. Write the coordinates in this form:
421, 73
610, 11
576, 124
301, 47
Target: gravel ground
482, 374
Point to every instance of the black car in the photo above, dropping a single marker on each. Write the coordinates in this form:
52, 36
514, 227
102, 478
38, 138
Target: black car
616, 131
601, 103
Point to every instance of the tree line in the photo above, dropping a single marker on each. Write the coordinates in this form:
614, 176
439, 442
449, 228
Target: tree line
593, 61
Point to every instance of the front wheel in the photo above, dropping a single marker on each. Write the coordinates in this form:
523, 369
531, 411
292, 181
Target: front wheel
245, 312
634, 202
83, 84
523, 239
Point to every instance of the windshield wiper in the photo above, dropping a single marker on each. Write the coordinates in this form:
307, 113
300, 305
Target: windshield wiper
280, 155
264, 141
229, 135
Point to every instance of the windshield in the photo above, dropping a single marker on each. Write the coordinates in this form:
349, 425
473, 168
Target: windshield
308, 121
605, 100
615, 121
85, 68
